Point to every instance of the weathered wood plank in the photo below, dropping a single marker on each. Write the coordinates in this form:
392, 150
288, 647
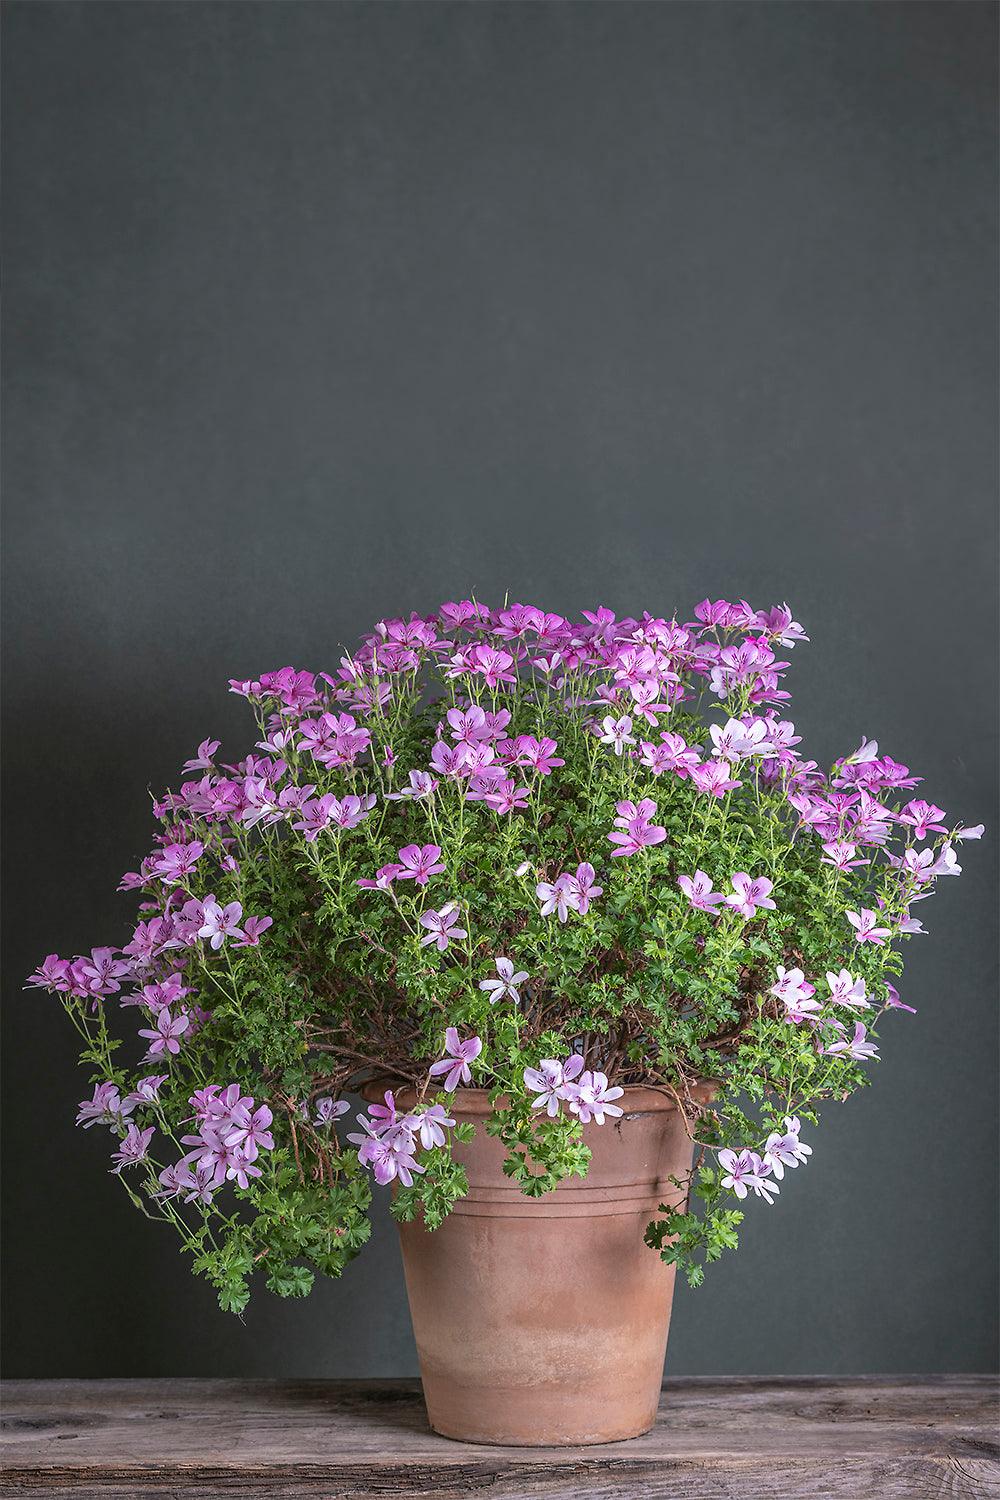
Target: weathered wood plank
798, 1439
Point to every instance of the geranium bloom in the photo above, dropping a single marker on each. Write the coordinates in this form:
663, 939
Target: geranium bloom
558, 896
749, 895
633, 831
552, 1082
858, 1047
430, 1124
450, 760
846, 990
147, 1090
866, 928
785, 1150
176, 862
220, 922
389, 1159
893, 1002
921, 816
419, 862
791, 985
617, 733
592, 1098
203, 760
698, 889
253, 927
713, 778
745, 1173
328, 1110
539, 755
441, 926
455, 1064
841, 856
133, 1148
799, 1009
383, 878
583, 888
107, 1107
504, 987
167, 1032
422, 784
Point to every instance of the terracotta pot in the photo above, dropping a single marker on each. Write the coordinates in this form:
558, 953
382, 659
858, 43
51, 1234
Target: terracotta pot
543, 1321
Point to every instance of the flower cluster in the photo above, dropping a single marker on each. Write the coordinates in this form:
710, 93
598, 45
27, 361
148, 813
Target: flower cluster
501, 849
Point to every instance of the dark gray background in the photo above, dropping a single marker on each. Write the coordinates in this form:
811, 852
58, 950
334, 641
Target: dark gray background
321, 312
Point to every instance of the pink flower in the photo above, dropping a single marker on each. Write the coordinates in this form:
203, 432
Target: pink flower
745, 1173
220, 922
203, 760
584, 888
591, 1098
422, 784
557, 896
175, 862
167, 1032
441, 927
552, 1082
857, 1048
713, 778
383, 878
783, 1150
921, 816
253, 927
751, 894
846, 990
538, 755
866, 928
791, 985
419, 862
698, 890
893, 1001
455, 1064
841, 856
133, 1148
634, 831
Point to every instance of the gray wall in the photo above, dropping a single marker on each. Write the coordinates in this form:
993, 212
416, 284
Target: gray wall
319, 312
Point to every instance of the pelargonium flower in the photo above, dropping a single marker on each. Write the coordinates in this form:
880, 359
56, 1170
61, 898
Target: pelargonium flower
220, 922
921, 815
848, 991
133, 1148
841, 856
746, 1172
617, 733
176, 862
866, 928
583, 888
557, 896
893, 1001
419, 862
203, 760
591, 1098
253, 928
328, 1110
167, 1032
441, 926
147, 1090
858, 1048
107, 1107
504, 987
430, 1124
783, 1150
538, 755
712, 777
791, 985
383, 878
698, 890
633, 831
455, 1064
422, 785
552, 1082
750, 895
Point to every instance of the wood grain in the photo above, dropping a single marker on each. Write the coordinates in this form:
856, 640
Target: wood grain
731, 1439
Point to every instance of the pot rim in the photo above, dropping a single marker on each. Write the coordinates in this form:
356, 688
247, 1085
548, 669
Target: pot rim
636, 1099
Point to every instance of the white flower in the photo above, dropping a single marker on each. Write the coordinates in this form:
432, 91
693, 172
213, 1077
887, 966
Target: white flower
504, 987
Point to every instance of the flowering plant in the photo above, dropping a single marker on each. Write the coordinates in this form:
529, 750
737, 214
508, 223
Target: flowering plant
502, 850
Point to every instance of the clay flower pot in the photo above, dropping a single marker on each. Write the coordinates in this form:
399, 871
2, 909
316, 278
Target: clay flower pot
543, 1321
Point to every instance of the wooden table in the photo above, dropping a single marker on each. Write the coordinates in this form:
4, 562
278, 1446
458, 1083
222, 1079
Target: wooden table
714, 1440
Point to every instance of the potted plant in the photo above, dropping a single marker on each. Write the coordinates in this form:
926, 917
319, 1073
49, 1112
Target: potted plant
569, 905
